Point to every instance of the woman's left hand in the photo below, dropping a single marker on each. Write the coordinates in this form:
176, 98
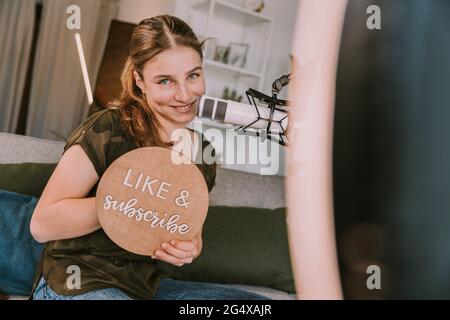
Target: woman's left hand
177, 252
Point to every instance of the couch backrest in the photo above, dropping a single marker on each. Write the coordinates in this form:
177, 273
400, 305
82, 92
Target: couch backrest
233, 188
16, 149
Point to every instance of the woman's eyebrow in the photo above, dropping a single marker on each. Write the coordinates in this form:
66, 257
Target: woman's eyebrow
167, 76
195, 69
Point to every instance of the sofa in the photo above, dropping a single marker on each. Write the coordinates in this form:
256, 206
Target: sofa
233, 188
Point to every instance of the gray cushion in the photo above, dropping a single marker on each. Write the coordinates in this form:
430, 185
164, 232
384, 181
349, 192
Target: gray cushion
16, 148
242, 189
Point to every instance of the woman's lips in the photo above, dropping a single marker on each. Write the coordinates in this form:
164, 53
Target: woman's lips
184, 109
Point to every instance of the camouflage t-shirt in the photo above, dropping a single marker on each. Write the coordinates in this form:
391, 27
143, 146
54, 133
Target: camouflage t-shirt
102, 263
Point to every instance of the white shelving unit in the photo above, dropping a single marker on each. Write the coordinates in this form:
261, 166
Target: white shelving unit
224, 22
229, 68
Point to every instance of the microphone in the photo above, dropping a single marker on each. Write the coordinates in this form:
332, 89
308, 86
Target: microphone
242, 114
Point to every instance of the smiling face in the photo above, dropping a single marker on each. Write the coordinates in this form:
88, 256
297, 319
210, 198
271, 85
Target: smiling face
173, 83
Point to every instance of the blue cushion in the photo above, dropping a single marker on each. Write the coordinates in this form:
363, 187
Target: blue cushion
19, 252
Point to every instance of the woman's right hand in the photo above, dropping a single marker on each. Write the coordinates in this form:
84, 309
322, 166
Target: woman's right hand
177, 252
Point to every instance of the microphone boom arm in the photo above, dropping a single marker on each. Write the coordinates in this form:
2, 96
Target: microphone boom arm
273, 103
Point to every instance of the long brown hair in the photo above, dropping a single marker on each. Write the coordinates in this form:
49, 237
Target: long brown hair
151, 37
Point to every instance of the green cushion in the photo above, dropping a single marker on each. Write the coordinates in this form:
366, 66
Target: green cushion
25, 178
241, 245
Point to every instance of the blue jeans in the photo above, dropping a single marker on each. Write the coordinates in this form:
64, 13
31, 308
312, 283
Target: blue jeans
19, 252
168, 290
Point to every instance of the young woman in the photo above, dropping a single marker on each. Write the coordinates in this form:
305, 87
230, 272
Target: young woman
162, 81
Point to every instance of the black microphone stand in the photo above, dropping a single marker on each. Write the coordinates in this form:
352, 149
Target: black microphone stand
273, 103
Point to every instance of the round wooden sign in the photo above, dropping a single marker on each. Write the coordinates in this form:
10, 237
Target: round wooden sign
146, 198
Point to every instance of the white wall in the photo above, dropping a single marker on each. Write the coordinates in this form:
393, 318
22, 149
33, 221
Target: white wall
283, 13
134, 11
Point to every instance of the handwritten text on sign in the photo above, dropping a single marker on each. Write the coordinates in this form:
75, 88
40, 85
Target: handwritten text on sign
130, 209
